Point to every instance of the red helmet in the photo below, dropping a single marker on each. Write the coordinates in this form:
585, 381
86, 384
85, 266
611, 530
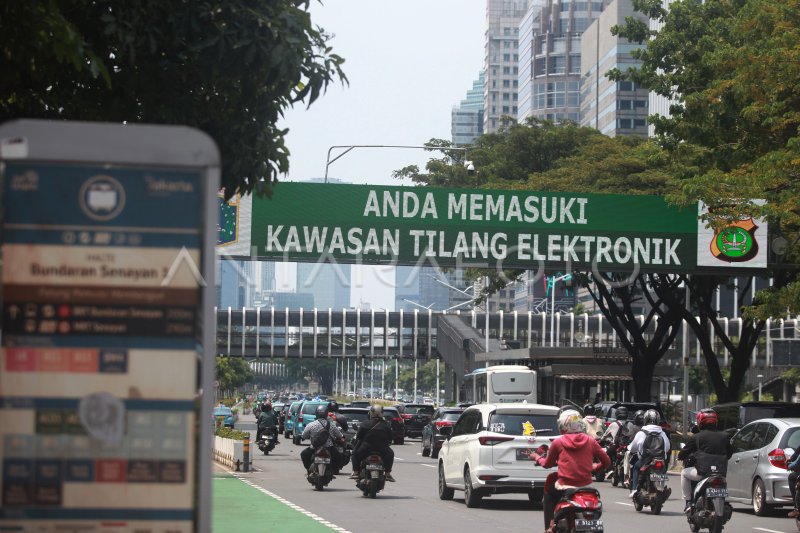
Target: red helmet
706, 417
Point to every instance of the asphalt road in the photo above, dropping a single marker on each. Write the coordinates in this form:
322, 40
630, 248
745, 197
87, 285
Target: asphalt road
412, 504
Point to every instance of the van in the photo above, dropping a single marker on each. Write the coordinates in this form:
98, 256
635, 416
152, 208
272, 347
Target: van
734, 415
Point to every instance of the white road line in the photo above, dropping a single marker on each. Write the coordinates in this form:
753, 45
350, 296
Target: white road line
625, 503
399, 459
293, 506
430, 466
767, 530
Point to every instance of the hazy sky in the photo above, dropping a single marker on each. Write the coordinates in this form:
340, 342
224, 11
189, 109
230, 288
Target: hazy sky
408, 63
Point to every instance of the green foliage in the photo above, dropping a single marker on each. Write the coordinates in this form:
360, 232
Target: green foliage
229, 433
791, 376
232, 373
230, 68
732, 68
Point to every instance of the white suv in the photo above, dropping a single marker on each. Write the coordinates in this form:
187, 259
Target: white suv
487, 451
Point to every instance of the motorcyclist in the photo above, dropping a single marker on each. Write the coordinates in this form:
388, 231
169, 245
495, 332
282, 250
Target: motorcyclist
618, 429
594, 426
267, 419
336, 416
652, 425
574, 451
794, 467
630, 458
374, 435
322, 424
710, 450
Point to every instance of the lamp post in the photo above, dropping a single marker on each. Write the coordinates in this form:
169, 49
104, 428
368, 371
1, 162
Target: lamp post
349, 147
760, 377
553, 282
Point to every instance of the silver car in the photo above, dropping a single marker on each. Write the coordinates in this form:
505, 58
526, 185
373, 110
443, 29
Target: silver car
757, 470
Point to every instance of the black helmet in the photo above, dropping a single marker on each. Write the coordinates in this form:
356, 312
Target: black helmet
588, 410
622, 413
638, 418
333, 406
322, 411
652, 417
267, 406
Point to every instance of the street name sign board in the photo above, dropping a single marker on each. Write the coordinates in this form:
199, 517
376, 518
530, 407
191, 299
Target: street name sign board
108, 236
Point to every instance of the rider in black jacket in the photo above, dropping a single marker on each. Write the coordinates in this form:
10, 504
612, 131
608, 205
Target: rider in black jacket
710, 449
374, 435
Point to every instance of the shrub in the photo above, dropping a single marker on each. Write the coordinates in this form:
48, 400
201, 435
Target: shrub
229, 433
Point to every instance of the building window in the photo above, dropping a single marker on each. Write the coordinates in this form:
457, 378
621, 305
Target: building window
559, 45
506, 83
579, 24
539, 66
574, 63
639, 123
506, 57
506, 70
625, 123
558, 65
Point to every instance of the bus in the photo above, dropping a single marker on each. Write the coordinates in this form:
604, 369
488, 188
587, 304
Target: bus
500, 384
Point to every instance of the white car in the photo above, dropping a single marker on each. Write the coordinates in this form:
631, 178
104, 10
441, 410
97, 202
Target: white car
487, 451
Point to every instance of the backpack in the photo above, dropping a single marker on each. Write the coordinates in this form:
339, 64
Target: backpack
623, 435
653, 446
320, 439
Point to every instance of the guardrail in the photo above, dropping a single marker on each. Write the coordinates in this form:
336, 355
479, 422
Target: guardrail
229, 452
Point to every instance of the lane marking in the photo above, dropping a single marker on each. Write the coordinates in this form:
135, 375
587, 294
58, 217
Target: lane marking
430, 466
767, 530
625, 503
293, 506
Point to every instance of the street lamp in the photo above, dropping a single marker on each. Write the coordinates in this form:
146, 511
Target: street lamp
760, 377
349, 147
553, 282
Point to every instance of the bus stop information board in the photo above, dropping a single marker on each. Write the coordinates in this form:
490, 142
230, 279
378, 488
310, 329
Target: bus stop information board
483, 228
102, 320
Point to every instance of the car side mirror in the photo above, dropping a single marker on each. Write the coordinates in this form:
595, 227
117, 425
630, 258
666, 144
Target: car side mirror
446, 431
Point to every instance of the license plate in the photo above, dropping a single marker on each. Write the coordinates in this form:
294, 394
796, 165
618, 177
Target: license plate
374, 467
374, 474
659, 477
523, 454
322, 460
716, 493
582, 524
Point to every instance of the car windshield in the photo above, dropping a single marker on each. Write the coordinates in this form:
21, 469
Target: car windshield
419, 409
757, 412
222, 411
390, 413
451, 415
310, 408
523, 424
356, 417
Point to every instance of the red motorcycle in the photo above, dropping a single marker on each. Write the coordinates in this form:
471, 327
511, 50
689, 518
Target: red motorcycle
578, 510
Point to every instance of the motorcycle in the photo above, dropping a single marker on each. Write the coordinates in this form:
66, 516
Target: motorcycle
652, 490
372, 475
344, 452
617, 470
709, 509
320, 473
578, 510
268, 441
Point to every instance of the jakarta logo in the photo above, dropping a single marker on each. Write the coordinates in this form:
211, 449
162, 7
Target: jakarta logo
736, 242
227, 227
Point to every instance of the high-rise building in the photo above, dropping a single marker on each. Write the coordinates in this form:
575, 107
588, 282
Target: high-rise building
614, 108
431, 288
330, 284
550, 58
501, 62
467, 117
237, 285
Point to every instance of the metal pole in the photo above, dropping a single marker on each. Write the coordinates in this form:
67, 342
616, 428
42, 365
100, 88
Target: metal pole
437, 381
396, 370
347, 378
371, 377
415, 380
383, 376
686, 364
553, 313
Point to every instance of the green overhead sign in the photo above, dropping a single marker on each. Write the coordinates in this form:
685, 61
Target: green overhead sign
482, 228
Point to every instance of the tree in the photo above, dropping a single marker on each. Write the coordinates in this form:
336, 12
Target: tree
229, 68
730, 69
232, 373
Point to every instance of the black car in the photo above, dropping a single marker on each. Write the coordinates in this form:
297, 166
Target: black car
359, 403
355, 416
415, 417
398, 431
734, 415
607, 411
432, 437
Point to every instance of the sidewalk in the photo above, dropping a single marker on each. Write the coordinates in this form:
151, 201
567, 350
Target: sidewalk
237, 507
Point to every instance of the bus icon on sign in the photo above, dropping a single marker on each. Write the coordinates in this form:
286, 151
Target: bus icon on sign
102, 198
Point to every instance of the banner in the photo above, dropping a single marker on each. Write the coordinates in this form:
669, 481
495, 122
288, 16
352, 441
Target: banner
483, 228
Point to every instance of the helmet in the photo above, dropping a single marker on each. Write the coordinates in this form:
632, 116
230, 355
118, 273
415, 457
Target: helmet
588, 410
622, 413
707, 418
266, 406
638, 418
322, 411
571, 421
375, 411
333, 406
652, 417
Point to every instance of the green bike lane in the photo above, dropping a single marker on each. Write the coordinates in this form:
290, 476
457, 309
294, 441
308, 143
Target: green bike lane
240, 506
